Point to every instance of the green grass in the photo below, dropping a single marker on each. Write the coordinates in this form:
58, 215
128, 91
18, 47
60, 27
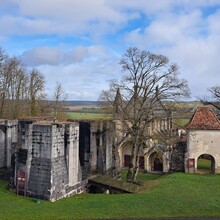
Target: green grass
87, 115
180, 121
173, 195
204, 164
128, 187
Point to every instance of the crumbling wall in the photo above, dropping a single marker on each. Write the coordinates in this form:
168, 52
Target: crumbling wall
39, 181
104, 144
8, 138
96, 141
51, 161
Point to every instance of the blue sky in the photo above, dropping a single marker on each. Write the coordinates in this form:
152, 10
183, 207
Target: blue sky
80, 43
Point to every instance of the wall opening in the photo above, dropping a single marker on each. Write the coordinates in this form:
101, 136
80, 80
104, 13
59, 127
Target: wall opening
156, 162
206, 164
84, 143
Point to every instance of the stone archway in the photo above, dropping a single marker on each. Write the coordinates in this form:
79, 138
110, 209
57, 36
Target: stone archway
206, 164
156, 162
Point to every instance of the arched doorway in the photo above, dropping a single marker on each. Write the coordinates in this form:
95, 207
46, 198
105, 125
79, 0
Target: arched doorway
156, 162
206, 164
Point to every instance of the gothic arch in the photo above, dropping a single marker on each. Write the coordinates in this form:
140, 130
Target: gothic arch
156, 162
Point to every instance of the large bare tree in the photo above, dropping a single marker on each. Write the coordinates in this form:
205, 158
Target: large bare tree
149, 83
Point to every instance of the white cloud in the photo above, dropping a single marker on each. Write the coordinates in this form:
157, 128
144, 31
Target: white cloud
41, 56
80, 53
84, 79
186, 31
169, 29
64, 17
56, 56
188, 38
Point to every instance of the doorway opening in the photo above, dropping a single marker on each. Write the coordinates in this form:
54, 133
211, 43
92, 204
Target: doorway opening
205, 164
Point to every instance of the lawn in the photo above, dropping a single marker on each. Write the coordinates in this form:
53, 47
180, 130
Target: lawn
87, 115
180, 121
171, 195
204, 164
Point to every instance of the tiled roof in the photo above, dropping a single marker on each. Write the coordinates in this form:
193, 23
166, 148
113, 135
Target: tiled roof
204, 119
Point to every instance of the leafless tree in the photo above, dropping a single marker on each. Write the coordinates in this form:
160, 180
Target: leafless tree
36, 90
150, 82
214, 100
19, 90
59, 97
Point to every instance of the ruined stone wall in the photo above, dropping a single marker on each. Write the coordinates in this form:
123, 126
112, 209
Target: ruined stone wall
39, 181
49, 154
8, 138
104, 143
96, 146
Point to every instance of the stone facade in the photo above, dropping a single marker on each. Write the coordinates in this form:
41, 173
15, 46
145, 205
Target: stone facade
156, 156
56, 158
203, 139
47, 153
8, 140
96, 146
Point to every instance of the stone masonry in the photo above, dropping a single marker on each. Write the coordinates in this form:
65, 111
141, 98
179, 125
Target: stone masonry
56, 158
47, 153
203, 139
8, 139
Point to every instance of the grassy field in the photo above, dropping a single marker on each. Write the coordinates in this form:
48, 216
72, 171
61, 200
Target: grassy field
170, 195
180, 121
203, 164
87, 115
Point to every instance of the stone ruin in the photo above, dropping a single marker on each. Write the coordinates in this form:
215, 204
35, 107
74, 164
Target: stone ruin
52, 160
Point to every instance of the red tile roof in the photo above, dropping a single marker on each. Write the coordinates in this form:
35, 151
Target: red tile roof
204, 119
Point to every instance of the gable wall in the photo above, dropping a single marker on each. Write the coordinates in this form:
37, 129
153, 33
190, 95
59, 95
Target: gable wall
203, 142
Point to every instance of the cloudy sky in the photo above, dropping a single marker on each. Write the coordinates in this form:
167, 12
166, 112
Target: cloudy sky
80, 42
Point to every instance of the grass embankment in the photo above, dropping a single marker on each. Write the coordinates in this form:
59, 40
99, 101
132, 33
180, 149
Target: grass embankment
174, 195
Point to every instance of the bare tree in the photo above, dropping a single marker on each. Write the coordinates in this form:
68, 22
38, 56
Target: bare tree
214, 100
20, 91
59, 97
13, 86
36, 90
150, 81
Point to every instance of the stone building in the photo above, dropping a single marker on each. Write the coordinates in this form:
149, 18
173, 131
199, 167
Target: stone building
156, 155
203, 140
96, 147
47, 153
52, 160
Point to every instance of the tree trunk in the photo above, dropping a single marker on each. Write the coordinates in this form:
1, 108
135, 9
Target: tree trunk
134, 164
